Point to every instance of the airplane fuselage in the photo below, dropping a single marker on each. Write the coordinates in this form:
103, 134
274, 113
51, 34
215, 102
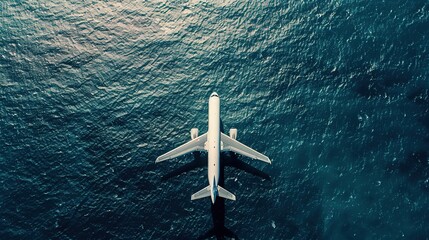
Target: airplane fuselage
213, 144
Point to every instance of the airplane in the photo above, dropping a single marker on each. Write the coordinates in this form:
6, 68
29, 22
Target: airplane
214, 142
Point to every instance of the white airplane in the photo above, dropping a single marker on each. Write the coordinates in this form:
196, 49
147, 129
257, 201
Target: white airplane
214, 141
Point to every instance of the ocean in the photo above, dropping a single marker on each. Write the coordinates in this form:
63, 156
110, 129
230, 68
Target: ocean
335, 92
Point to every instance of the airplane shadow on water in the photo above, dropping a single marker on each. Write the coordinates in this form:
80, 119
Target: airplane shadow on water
218, 210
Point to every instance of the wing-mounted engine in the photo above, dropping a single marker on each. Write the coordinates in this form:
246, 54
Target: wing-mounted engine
194, 133
233, 133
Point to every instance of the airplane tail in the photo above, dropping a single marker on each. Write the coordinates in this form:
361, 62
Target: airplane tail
206, 192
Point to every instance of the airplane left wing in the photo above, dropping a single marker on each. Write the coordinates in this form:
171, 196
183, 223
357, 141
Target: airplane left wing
196, 144
233, 145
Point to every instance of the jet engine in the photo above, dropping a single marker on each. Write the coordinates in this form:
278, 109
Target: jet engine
233, 133
194, 133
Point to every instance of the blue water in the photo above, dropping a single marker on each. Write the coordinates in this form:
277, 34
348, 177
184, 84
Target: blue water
336, 93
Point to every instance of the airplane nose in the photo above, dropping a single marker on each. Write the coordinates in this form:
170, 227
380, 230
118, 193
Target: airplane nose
214, 94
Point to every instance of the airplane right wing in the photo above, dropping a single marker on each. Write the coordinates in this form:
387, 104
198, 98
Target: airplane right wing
196, 144
233, 145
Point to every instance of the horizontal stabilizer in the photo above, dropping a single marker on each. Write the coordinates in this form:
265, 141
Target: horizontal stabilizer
205, 192
223, 193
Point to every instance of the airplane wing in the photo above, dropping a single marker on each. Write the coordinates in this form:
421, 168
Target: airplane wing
196, 144
233, 145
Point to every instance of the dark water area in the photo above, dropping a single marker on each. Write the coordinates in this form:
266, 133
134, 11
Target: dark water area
336, 93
